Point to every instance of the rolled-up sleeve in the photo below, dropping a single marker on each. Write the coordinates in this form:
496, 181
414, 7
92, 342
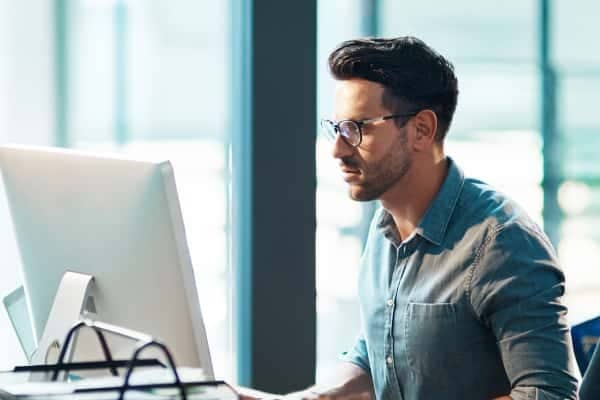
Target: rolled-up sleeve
516, 288
358, 355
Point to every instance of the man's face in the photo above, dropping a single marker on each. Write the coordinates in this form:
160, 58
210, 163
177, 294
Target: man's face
383, 157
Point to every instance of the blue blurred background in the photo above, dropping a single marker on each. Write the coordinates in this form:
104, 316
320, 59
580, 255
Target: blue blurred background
155, 77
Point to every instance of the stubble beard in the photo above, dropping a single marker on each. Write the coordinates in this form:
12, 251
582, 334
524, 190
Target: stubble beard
380, 177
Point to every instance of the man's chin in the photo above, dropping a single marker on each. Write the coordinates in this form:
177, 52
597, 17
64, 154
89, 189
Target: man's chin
358, 193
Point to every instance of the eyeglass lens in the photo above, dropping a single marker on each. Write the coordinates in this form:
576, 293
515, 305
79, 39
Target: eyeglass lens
350, 131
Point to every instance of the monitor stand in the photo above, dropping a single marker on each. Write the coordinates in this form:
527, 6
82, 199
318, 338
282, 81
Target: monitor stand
73, 298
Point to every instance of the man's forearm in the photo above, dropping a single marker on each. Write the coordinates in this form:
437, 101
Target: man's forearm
252, 394
349, 382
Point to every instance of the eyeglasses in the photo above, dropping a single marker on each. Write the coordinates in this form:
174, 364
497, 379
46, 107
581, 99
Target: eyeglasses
351, 130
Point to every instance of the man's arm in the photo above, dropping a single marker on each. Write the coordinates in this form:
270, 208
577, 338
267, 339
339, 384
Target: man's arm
350, 382
516, 291
352, 379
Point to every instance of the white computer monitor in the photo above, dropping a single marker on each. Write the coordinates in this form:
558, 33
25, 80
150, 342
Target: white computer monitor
115, 219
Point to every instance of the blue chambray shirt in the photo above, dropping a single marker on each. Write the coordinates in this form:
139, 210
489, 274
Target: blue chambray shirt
469, 307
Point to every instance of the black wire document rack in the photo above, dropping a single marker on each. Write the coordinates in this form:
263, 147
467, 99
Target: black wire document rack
53, 383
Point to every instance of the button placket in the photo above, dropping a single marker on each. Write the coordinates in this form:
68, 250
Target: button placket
401, 265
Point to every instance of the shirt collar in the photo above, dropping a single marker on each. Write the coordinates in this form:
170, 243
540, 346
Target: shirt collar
434, 223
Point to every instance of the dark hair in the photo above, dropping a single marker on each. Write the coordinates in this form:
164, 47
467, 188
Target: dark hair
413, 74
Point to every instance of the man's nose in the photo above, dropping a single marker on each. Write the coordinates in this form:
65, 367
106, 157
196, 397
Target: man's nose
341, 148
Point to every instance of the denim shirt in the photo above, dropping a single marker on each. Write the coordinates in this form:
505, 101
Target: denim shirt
469, 307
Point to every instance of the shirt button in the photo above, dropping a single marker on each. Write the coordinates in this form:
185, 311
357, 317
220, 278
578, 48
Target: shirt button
390, 302
389, 360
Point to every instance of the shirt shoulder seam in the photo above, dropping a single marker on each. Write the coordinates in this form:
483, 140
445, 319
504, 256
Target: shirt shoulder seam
495, 230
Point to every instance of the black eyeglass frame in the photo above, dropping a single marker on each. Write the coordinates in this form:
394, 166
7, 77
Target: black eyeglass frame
359, 124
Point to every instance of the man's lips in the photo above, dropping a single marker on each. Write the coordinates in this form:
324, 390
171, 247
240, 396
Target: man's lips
350, 174
346, 170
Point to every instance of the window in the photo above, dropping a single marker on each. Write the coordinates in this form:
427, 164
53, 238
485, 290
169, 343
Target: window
139, 77
496, 135
578, 88
341, 223
151, 78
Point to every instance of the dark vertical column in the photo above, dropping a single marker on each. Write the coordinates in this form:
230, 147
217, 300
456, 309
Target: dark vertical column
273, 199
61, 98
550, 135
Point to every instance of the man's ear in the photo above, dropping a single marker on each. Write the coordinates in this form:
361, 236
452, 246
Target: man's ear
426, 124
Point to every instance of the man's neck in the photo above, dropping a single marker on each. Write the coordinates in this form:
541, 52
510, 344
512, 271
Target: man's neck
408, 200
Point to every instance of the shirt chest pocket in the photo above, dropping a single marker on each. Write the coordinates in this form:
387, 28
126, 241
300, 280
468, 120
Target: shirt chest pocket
440, 336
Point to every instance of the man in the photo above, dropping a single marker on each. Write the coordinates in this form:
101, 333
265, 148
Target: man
460, 292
